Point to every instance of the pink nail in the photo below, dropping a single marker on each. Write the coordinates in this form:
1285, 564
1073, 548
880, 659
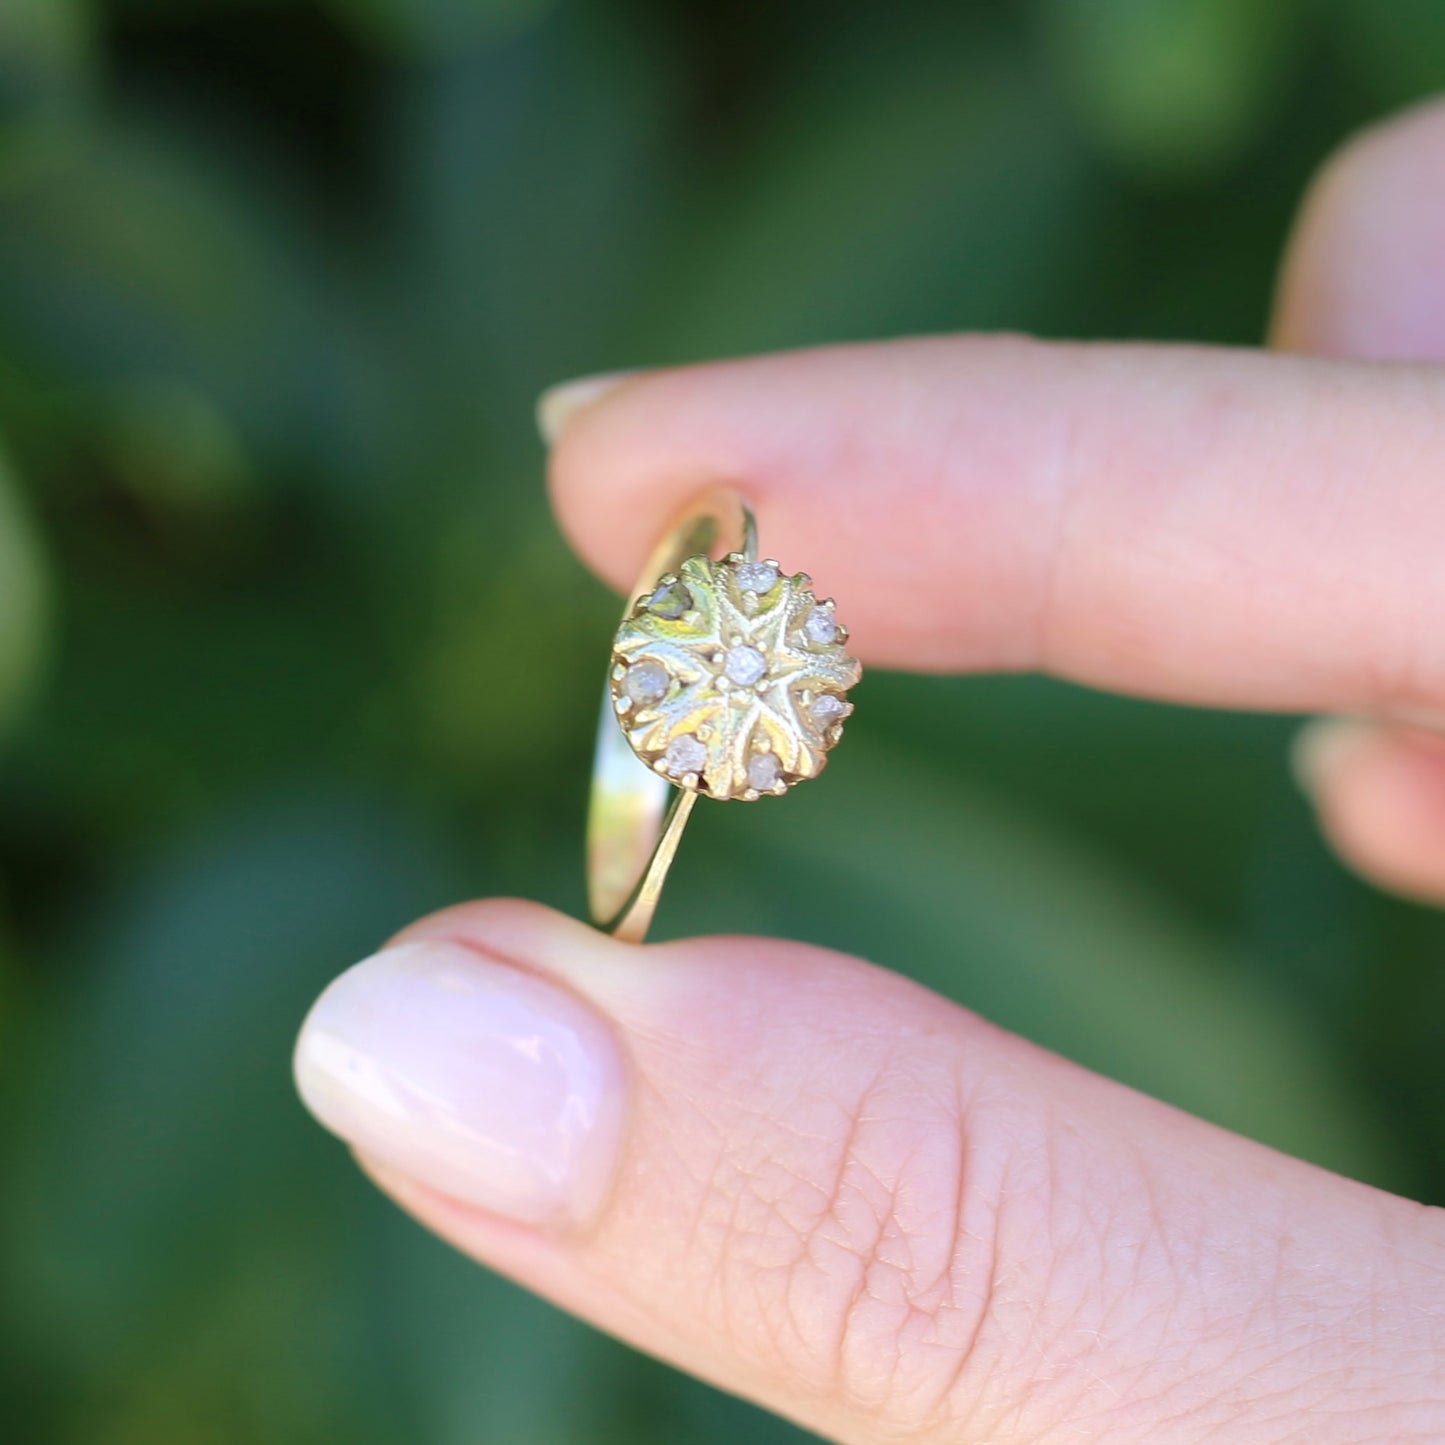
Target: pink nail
492, 1085
559, 404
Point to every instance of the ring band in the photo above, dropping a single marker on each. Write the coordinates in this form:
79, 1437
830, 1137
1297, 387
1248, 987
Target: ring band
727, 678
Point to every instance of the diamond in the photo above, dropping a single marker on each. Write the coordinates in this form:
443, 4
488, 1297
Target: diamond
820, 626
745, 665
757, 577
670, 601
646, 682
684, 755
764, 770
827, 709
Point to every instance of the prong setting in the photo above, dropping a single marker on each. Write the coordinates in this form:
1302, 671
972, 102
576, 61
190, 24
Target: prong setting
741, 693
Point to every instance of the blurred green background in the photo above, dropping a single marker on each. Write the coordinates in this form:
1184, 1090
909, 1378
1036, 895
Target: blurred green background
279, 280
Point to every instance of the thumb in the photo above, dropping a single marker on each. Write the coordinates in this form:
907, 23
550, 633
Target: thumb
819, 1186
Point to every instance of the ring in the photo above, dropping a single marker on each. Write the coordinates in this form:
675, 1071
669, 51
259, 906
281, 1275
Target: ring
728, 679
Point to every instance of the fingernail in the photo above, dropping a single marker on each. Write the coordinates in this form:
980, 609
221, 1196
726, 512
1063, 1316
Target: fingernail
489, 1084
559, 404
1322, 746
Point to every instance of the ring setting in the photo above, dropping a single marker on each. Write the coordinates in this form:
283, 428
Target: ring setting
728, 679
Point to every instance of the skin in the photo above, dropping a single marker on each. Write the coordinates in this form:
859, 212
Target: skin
863, 1206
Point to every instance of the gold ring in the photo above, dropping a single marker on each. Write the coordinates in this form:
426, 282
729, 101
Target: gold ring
728, 679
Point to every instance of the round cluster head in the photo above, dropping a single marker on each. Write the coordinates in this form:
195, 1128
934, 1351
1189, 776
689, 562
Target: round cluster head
730, 678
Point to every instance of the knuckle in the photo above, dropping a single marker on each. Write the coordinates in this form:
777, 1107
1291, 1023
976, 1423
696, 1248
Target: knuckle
860, 1250
936, 1253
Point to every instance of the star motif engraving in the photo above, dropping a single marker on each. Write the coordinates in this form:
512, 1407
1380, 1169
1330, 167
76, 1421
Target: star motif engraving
755, 678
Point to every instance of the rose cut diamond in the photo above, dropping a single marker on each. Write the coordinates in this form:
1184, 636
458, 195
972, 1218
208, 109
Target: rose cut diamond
685, 754
745, 665
757, 577
670, 601
764, 770
645, 682
820, 627
827, 709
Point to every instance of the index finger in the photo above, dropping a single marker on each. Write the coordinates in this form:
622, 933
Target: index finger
1200, 525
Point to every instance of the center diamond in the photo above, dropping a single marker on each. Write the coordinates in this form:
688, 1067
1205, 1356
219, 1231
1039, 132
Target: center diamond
745, 665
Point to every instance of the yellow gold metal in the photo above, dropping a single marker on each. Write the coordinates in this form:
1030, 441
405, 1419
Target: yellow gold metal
728, 678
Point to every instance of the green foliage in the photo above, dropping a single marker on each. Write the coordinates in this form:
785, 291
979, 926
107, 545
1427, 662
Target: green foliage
1399, 45
434, 27
272, 315
46, 62
24, 592
1172, 87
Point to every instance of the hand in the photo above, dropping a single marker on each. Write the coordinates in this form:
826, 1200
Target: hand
812, 1182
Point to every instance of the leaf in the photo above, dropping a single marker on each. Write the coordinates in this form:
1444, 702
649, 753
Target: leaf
532, 190
1172, 88
177, 453
1398, 47
24, 601
47, 62
482, 1359
942, 190
164, 1146
148, 264
435, 27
